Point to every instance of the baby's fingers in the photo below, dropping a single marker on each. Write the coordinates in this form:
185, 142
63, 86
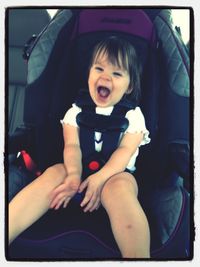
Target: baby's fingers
96, 205
57, 200
66, 202
83, 185
57, 191
88, 196
90, 203
59, 203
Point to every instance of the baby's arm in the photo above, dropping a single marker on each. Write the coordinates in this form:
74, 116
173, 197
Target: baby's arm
72, 151
72, 161
122, 155
116, 164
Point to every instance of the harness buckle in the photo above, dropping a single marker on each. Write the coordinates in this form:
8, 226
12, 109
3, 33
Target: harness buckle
94, 165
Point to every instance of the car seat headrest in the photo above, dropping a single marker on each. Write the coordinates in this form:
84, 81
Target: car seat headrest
22, 24
25, 22
92, 25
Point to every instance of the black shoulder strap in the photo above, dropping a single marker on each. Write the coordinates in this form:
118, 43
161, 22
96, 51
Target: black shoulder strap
111, 138
111, 126
86, 131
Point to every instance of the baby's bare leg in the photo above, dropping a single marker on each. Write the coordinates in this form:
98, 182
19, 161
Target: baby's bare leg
34, 200
128, 221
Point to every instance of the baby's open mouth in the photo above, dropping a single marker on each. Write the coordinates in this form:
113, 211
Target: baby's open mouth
103, 92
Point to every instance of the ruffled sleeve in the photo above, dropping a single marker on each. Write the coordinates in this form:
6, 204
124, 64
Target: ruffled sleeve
137, 124
70, 116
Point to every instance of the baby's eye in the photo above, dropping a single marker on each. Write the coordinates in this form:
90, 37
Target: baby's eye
98, 68
117, 74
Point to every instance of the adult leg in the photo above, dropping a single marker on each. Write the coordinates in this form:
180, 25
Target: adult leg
33, 201
128, 221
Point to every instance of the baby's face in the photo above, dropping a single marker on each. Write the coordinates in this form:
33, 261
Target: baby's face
107, 82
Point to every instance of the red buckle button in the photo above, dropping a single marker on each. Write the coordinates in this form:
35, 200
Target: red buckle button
94, 165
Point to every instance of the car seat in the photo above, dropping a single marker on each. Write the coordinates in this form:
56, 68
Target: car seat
23, 28
52, 86
22, 25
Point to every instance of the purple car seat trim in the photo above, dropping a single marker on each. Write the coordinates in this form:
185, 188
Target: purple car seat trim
134, 22
31, 241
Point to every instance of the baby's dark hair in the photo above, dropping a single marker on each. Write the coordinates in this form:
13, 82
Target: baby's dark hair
120, 52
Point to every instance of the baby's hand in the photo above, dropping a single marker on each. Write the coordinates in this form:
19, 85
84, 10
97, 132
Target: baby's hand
62, 194
92, 199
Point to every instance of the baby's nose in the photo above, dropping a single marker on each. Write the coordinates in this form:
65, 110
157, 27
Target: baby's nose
106, 77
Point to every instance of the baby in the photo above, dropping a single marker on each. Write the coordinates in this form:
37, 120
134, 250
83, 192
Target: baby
113, 74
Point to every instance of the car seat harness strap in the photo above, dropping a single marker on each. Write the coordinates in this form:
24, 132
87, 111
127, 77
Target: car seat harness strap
111, 127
